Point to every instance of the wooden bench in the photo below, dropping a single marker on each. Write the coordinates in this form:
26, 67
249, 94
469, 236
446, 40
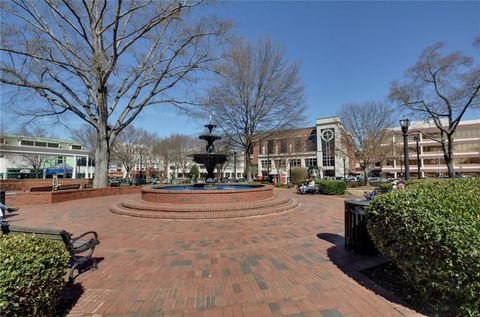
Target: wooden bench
68, 186
42, 189
75, 246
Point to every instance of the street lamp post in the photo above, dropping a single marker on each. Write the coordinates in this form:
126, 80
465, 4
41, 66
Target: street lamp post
404, 123
235, 166
344, 171
417, 139
268, 158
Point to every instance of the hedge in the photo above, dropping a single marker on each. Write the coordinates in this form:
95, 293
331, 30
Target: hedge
331, 187
431, 230
32, 271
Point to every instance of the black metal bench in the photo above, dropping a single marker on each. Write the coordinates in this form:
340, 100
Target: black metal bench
75, 246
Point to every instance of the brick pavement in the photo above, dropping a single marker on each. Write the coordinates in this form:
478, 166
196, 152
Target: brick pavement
274, 265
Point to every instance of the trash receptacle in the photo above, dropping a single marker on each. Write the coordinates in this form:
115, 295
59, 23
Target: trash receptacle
356, 235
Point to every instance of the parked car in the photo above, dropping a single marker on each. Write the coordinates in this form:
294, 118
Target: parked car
139, 181
114, 182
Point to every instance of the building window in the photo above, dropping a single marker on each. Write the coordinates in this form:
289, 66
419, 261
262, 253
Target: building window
264, 163
40, 144
59, 159
76, 147
312, 141
53, 145
310, 162
295, 163
328, 147
283, 146
26, 142
298, 145
270, 146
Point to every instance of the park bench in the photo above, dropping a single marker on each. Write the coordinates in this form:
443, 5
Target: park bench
41, 189
75, 246
69, 186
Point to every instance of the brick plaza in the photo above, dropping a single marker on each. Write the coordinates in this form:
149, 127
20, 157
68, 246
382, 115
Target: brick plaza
286, 264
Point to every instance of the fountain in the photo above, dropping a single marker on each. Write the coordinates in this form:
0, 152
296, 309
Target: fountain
205, 201
210, 159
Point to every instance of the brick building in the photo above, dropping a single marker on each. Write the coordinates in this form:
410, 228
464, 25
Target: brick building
319, 146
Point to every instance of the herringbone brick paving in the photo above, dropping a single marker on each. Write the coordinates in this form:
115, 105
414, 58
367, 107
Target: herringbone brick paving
274, 265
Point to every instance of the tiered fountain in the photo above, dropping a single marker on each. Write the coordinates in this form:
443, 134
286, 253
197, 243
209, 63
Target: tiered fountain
210, 159
205, 201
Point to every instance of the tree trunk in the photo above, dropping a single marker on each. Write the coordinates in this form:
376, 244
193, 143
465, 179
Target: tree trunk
102, 157
448, 156
246, 165
365, 177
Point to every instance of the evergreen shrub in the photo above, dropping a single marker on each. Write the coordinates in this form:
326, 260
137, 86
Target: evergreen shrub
32, 271
431, 230
331, 187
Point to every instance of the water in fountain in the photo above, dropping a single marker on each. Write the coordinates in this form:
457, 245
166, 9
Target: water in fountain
210, 159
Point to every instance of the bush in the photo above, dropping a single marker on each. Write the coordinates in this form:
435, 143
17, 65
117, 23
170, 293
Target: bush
32, 272
431, 230
331, 187
298, 174
386, 186
353, 184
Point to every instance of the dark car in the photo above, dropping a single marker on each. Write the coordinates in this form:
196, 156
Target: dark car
114, 182
139, 181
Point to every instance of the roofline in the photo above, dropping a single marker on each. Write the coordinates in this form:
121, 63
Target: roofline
35, 138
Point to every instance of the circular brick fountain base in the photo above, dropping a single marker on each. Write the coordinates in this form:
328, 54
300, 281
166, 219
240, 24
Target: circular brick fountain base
204, 204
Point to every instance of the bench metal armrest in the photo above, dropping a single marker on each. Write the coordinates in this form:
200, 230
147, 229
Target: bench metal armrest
84, 234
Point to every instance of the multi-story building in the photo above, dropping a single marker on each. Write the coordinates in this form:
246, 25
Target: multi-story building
34, 157
466, 151
319, 147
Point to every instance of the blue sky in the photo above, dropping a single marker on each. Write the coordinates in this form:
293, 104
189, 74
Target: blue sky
349, 51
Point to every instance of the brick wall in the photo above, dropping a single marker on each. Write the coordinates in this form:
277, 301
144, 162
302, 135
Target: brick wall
26, 184
206, 196
34, 198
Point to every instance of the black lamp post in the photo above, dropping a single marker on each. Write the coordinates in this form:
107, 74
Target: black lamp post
268, 158
404, 123
234, 166
344, 171
417, 139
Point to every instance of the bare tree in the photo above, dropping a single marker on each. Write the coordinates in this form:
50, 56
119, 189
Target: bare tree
105, 61
162, 152
182, 146
440, 88
257, 92
86, 136
367, 126
128, 147
35, 161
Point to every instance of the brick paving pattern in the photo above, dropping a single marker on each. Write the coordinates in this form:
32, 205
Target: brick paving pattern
273, 265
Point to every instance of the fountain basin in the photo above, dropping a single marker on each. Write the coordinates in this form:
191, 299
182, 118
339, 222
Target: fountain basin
205, 194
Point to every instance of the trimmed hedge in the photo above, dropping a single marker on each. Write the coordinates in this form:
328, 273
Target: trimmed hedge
331, 187
431, 230
32, 272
